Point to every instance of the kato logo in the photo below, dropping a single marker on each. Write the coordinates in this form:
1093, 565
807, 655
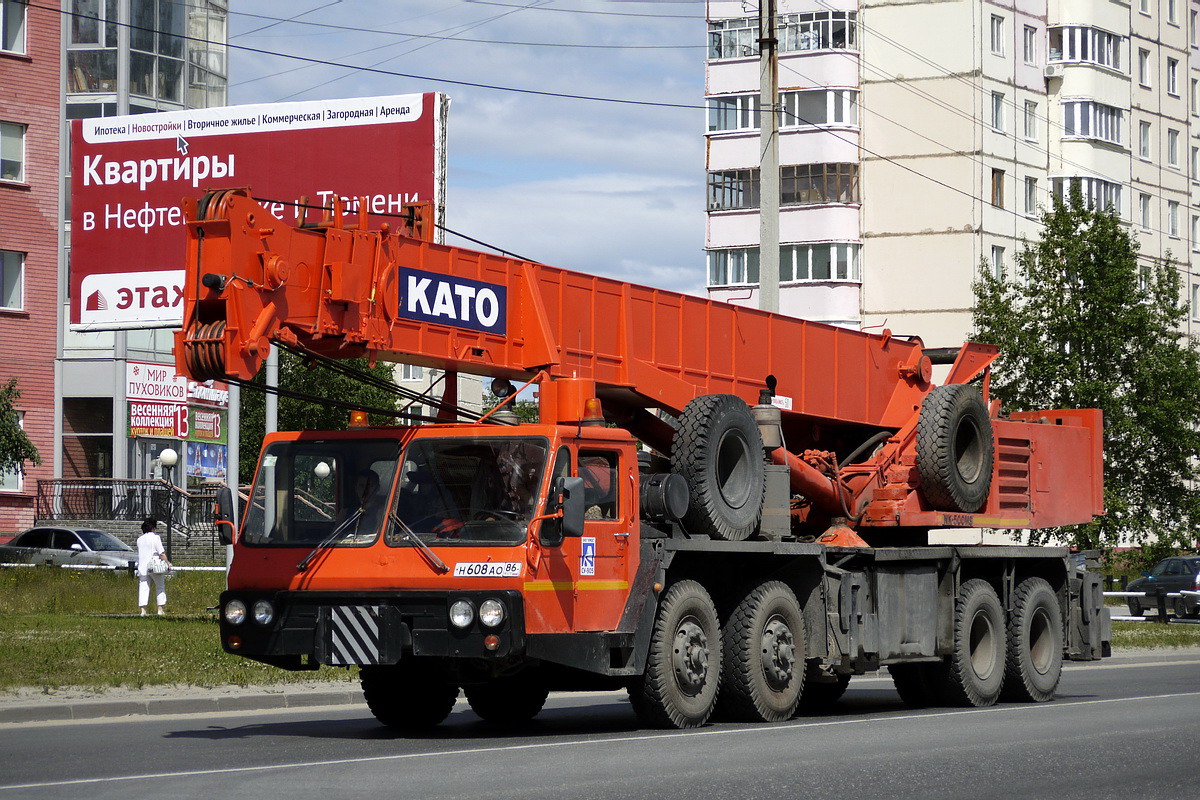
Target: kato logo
459, 302
587, 556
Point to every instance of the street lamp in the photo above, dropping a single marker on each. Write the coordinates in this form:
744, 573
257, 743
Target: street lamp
169, 458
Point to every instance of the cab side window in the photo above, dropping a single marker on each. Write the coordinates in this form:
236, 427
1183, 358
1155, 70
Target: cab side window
601, 487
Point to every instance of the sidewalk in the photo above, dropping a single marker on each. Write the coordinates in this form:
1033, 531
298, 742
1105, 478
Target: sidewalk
35, 705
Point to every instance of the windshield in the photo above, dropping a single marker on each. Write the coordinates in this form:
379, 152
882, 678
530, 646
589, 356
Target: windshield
309, 491
468, 491
98, 540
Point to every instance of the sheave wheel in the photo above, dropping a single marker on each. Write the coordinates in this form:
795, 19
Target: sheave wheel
508, 701
1033, 663
409, 696
683, 668
955, 448
821, 689
763, 666
718, 451
974, 672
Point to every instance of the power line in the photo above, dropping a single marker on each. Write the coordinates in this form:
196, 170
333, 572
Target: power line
587, 11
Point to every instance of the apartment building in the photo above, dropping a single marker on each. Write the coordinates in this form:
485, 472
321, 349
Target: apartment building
919, 140
30, 120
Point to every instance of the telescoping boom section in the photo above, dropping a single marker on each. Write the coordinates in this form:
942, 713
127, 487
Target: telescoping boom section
857, 437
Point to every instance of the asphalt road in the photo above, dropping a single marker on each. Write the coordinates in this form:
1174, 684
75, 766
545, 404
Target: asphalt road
1118, 729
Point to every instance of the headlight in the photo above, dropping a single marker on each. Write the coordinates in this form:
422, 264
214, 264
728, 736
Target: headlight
461, 613
491, 612
264, 612
235, 612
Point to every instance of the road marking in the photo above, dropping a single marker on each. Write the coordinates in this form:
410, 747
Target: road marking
587, 742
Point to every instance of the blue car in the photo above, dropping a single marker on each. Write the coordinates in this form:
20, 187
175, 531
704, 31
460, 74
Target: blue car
1168, 576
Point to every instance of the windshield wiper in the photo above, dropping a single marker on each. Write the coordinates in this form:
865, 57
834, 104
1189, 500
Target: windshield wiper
425, 549
328, 540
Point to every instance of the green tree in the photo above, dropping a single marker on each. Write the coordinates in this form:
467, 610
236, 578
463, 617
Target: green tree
15, 447
1084, 322
526, 410
295, 375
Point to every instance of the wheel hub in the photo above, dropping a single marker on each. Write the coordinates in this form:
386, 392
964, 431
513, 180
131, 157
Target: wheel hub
778, 653
690, 657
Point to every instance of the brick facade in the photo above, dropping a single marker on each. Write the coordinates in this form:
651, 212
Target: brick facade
29, 225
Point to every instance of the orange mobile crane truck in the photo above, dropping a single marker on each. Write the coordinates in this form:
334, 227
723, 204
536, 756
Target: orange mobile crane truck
745, 551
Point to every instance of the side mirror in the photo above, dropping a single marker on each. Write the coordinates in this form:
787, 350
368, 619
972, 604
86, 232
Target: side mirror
223, 515
77, 547
567, 497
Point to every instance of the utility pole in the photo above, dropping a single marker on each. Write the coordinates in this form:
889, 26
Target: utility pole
768, 173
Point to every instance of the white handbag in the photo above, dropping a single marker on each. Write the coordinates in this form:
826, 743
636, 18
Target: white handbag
157, 566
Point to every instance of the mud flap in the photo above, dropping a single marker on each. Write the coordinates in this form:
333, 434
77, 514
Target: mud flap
1089, 625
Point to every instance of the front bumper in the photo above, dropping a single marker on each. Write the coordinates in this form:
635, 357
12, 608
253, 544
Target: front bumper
348, 628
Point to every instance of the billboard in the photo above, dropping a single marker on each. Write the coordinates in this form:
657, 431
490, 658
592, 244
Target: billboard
129, 174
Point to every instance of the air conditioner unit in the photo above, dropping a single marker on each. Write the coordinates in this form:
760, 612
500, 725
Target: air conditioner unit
1054, 71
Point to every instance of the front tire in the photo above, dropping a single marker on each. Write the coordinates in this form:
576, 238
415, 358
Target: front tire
1135, 608
975, 670
409, 696
1033, 663
763, 641
679, 686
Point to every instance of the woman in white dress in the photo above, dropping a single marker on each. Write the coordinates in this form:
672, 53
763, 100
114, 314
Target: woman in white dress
150, 550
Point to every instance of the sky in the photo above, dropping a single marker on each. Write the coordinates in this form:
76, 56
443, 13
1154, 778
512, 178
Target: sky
614, 189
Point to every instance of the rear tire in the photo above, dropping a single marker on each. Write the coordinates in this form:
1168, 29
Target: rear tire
508, 701
1034, 660
763, 658
683, 668
718, 451
408, 696
821, 691
974, 673
1135, 608
915, 683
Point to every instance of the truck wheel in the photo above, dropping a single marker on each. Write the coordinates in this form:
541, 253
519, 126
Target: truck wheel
407, 696
915, 683
954, 449
718, 451
508, 701
974, 672
683, 667
763, 659
822, 690
1033, 663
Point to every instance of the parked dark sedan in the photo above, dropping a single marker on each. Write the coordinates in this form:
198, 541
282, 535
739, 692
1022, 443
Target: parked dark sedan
1169, 575
57, 546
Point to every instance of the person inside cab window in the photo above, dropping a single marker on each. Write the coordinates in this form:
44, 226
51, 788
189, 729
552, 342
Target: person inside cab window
599, 473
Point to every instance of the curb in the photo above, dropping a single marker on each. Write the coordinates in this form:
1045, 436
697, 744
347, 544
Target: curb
69, 711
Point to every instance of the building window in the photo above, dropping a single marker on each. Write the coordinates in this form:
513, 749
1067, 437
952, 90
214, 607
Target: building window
827, 261
1092, 120
1144, 139
12, 26
806, 184
1195, 233
12, 152
1172, 148
1195, 164
1029, 51
998, 188
1030, 196
1173, 76
13, 480
1193, 20
410, 373
819, 107
736, 113
997, 261
1143, 68
1173, 218
87, 442
1097, 193
12, 280
998, 111
1091, 45
733, 38
735, 188
997, 35
1144, 211
1195, 97
1173, 12
1196, 302
1031, 120
822, 30
734, 267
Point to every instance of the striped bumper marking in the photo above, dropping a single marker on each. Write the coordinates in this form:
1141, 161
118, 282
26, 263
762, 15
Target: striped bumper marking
354, 635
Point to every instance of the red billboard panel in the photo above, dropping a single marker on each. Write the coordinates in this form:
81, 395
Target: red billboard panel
129, 174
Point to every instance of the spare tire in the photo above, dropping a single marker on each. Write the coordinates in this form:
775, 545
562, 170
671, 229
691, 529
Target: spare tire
718, 451
955, 449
